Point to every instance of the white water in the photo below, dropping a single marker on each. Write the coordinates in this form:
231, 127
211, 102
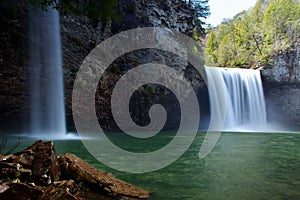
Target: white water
239, 94
47, 117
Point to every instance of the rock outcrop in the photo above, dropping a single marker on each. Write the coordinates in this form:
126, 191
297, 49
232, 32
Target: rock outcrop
80, 35
172, 14
37, 173
76, 169
79, 38
285, 67
13, 59
281, 80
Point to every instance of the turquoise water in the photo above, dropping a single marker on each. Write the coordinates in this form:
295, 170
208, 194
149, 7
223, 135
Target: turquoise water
241, 166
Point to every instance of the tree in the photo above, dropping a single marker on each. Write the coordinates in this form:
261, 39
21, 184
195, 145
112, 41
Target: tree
280, 23
201, 11
252, 36
211, 48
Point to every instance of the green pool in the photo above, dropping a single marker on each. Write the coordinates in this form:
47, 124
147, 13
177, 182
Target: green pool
241, 166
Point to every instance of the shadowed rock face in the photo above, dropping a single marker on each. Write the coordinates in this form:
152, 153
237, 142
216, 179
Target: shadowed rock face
36, 173
282, 87
79, 36
285, 67
283, 103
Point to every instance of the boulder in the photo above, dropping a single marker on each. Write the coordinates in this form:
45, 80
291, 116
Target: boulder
69, 185
45, 169
54, 193
73, 167
21, 191
36, 173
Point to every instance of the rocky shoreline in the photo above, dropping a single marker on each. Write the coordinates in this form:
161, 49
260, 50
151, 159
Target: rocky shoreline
37, 173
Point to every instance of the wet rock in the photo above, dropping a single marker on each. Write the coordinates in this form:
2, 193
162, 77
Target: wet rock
79, 170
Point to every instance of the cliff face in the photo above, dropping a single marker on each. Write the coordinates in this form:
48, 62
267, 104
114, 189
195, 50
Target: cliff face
79, 36
282, 86
285, 67
13, 61
171, 14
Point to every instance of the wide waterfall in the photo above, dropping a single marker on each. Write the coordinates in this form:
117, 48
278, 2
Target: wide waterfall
46, 82
236, 97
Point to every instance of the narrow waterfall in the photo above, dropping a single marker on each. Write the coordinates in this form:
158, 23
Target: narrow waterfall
47, 116
236, 96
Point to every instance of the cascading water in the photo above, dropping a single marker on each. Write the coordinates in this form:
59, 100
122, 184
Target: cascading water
46, 81
239, 93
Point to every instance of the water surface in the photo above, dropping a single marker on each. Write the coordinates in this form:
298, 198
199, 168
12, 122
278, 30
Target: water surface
241, 166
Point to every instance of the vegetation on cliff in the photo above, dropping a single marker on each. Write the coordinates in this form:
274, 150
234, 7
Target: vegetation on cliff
103, 9
253, 36
93, 8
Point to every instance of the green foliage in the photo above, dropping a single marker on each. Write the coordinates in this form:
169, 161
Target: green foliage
201, 11
211, 50
281, 23
252, 36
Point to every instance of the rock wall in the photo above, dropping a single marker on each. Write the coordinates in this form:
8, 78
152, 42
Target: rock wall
282, 87
172, 14
285, 67
79, 36
13, 61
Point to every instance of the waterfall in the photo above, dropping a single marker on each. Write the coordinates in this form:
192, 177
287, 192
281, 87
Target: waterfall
239, 94
47, 116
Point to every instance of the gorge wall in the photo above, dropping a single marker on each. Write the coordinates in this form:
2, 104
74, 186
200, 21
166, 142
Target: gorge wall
13, 64
282, 87
81, 34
